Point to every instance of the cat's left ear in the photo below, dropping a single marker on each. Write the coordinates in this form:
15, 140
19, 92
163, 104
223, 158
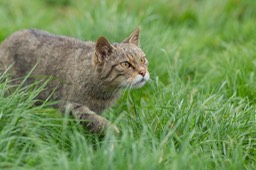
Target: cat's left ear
103, 48
134, 37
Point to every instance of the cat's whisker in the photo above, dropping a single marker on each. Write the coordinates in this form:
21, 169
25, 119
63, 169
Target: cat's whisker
128, 88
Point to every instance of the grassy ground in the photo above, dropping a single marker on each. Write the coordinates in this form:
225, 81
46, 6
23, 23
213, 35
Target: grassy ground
197, 112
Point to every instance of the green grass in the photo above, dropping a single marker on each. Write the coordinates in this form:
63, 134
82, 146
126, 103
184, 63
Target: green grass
197, 112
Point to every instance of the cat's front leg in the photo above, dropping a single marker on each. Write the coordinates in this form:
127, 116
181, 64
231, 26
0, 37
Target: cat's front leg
92, 122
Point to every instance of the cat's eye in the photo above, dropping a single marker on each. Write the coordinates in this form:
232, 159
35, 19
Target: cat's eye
142, 60
125, 64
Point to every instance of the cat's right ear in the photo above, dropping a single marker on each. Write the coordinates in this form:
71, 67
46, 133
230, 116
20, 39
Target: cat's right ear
103, 49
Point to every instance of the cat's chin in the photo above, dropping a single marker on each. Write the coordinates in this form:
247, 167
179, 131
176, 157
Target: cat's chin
139, 84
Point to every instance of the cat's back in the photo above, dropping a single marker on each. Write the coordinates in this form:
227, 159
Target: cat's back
28, 47
30, 39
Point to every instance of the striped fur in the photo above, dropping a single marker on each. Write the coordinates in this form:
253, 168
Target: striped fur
85, 75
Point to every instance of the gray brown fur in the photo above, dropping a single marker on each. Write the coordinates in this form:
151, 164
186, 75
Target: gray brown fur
87, 76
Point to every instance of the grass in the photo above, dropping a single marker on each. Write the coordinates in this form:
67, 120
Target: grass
197, 112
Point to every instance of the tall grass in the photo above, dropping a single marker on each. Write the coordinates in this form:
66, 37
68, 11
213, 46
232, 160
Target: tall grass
197, 111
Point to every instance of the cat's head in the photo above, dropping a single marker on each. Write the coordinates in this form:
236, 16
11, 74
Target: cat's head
121, 64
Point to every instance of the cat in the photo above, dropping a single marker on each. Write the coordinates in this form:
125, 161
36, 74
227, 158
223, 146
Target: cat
86, 77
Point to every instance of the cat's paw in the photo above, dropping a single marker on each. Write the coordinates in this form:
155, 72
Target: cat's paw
107, 126
113, 128
96, 124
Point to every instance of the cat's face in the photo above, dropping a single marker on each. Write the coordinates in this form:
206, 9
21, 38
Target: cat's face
122, 64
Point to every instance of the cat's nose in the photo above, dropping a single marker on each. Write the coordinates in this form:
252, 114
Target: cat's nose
143, 72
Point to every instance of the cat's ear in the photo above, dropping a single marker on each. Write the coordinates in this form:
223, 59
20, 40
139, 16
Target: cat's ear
134, 37
103, 48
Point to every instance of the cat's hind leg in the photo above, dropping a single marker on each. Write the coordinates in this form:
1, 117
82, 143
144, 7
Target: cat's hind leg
91, 121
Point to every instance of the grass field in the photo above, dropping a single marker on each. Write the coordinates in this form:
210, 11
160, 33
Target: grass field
197, 112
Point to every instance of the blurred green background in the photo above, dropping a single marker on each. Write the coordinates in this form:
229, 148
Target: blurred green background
197, 111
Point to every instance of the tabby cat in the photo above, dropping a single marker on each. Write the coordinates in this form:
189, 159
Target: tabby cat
87, 77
